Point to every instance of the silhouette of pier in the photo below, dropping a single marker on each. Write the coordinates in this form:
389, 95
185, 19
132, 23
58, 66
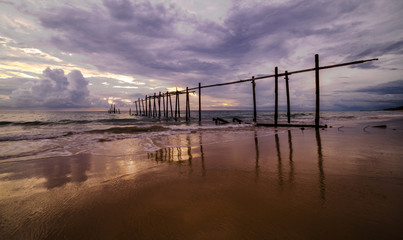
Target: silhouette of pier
150, 105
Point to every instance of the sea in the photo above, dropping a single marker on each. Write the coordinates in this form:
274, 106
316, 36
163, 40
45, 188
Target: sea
40, 134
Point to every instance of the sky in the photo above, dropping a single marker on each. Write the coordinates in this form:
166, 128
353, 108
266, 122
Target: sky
74, 54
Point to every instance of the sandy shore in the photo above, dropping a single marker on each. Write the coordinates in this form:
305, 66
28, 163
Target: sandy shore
338, 183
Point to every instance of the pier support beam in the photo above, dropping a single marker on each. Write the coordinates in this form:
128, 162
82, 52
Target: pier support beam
199, 103
155, 106
176, 105
150, 109
179, 107
317, 89
275, 96
146, 112
288, 97
170, 103
140, 103
187, 105
163, 104
159, 105
254, 99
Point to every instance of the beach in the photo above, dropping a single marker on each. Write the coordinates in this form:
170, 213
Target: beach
341, 182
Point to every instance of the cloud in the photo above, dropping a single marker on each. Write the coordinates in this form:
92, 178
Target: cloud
161, 41
392, 88
169, 44
53, 90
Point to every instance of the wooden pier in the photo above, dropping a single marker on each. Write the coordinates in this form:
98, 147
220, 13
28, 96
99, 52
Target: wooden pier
151, 111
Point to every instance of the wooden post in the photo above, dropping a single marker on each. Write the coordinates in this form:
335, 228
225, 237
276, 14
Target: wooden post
288, 96
167, 109
130, 109
146, 112
179, 107
150, 109
155, 106
163, 103
159, 105
199, 102
254, 99
276, 96
187, 105
170, 103
317, 89
176, 105
142, 103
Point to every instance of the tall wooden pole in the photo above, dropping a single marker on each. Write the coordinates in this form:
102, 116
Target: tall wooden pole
142, 102
167, 109
139, 105
276, 95
187, 105
146, 106
170, 104
288, 97
150, 108
179, 107
317, 89
155, 106
199, 102
254, 99
163, 104
176, 105
159, 105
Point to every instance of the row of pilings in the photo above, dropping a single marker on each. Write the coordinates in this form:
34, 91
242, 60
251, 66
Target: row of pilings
160, 105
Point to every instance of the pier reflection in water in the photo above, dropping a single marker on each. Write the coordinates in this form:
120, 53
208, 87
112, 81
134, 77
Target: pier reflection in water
193, 152
180, 155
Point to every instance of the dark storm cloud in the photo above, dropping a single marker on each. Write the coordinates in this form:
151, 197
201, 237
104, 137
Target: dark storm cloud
394, 88
53, 90
245, 27
120, 9
395, 47
160, 41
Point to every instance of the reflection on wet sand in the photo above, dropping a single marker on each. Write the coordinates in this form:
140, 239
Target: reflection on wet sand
257, 156
211, 186
183, 156
179, 155
322, 185
279, 162
291, 176
202, 154
56, 171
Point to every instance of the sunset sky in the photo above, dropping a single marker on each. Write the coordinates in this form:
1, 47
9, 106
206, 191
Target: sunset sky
69, 54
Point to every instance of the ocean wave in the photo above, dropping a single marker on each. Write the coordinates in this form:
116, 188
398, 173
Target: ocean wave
68, 122
34, 137
128, 130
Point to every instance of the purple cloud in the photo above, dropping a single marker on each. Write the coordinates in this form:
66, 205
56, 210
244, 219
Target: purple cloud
53, 90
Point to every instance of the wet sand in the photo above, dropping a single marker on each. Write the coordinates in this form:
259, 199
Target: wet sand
337, 183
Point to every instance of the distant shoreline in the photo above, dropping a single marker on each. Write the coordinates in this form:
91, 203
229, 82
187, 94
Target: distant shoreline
394, 109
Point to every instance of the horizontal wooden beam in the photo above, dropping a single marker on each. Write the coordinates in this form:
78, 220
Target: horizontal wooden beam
289, 73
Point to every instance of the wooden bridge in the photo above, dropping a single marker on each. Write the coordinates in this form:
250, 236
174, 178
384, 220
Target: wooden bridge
150, 105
